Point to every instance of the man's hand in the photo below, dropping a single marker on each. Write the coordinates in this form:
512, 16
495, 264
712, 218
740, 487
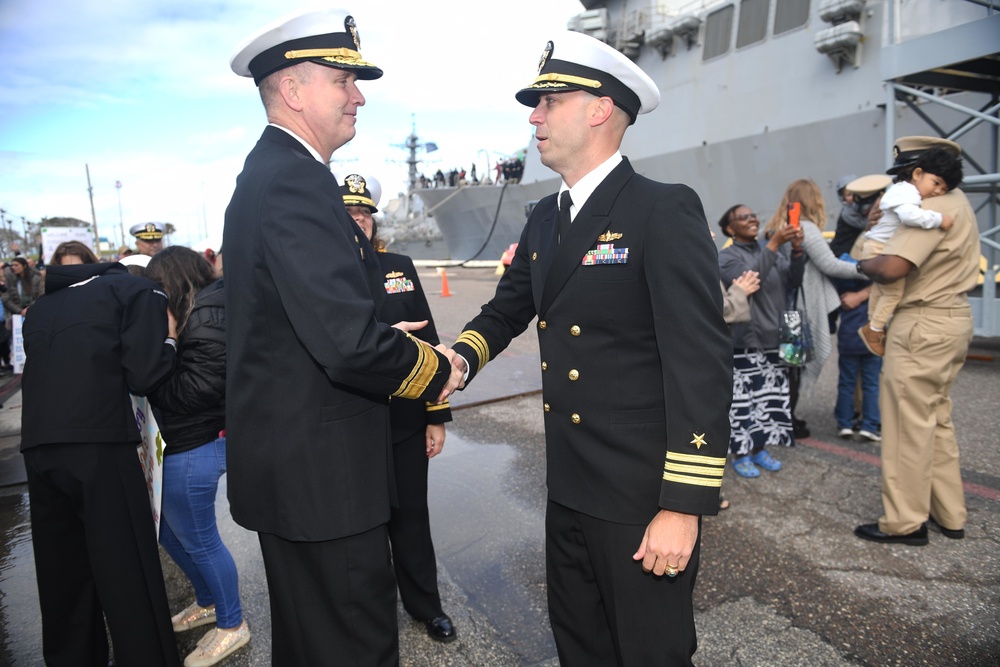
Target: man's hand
851, 300
435, 439
875, 212
458, 369
668, 542
410, 326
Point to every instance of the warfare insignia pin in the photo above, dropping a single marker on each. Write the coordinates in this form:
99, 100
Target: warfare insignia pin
394, 274
609, 236
699, 440
546, 54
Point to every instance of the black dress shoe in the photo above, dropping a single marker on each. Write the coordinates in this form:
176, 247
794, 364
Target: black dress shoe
870, 531
950, 533
441, 629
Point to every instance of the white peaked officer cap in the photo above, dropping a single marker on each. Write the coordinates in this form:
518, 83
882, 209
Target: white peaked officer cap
135, 260
147, 231
326, 36
375, 188
574, 61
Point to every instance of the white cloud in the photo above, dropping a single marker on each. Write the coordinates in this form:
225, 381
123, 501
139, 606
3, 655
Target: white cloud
143, 93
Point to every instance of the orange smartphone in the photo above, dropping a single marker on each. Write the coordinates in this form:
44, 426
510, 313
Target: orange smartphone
794, 210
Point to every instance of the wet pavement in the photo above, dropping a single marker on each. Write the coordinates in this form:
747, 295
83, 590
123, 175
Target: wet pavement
783, 580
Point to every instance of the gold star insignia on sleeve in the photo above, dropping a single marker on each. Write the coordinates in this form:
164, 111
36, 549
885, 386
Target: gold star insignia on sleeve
699, 440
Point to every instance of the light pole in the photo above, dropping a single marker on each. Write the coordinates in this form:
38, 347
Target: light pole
489, 166
121, 222
93, 213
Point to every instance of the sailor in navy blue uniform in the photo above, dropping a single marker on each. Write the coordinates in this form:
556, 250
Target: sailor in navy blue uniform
418, 430
636, 362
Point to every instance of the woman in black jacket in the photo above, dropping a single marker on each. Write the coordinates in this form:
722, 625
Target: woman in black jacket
417, 430
192, 406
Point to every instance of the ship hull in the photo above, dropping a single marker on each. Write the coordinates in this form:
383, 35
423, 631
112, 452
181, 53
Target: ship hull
753, 170
479, 222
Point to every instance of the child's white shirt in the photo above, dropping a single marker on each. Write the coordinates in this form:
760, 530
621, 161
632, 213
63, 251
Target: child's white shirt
901, 205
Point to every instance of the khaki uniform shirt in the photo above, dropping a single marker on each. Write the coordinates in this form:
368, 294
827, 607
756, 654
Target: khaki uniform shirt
947, 262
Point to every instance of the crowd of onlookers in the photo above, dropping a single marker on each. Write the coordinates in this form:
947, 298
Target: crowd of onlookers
797, 269
509, 170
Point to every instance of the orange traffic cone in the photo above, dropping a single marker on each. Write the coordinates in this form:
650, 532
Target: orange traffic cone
444, 282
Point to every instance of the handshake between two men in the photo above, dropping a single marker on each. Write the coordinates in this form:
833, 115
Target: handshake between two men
459, 366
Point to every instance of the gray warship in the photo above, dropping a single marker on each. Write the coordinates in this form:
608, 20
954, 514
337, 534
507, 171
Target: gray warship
758, 93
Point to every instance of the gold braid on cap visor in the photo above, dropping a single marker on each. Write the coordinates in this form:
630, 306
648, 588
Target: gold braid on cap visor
358, 201
341, 56
552, 77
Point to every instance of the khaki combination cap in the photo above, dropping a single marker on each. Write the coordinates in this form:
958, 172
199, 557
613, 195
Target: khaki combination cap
907, 149
865, 186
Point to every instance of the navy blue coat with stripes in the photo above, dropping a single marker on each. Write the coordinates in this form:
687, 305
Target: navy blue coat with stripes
635, 355
309, 368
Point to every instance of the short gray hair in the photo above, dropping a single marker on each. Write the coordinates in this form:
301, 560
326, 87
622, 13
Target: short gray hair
269, 87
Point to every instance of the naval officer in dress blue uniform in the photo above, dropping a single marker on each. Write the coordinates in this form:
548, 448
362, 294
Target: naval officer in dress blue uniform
636, 362
309, 368
418, 430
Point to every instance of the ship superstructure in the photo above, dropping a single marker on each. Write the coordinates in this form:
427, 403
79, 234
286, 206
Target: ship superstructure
758, 93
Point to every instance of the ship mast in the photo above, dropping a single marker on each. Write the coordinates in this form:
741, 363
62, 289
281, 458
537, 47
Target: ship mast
411, 160
412, 145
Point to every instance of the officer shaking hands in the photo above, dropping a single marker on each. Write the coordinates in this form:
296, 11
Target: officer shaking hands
636, 362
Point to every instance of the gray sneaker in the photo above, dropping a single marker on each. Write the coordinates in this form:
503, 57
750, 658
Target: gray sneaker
869, 436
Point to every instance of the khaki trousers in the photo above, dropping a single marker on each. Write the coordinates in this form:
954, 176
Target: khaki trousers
921, 476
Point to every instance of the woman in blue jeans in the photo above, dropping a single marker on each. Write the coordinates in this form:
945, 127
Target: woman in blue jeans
192, 409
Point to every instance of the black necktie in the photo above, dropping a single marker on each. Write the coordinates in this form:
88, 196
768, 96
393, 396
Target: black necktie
565, 201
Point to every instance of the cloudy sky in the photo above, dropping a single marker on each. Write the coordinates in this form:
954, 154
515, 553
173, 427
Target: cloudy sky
140, 91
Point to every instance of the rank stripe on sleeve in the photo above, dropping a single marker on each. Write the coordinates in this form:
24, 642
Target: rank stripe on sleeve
694, 469
478, 343
420, 376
